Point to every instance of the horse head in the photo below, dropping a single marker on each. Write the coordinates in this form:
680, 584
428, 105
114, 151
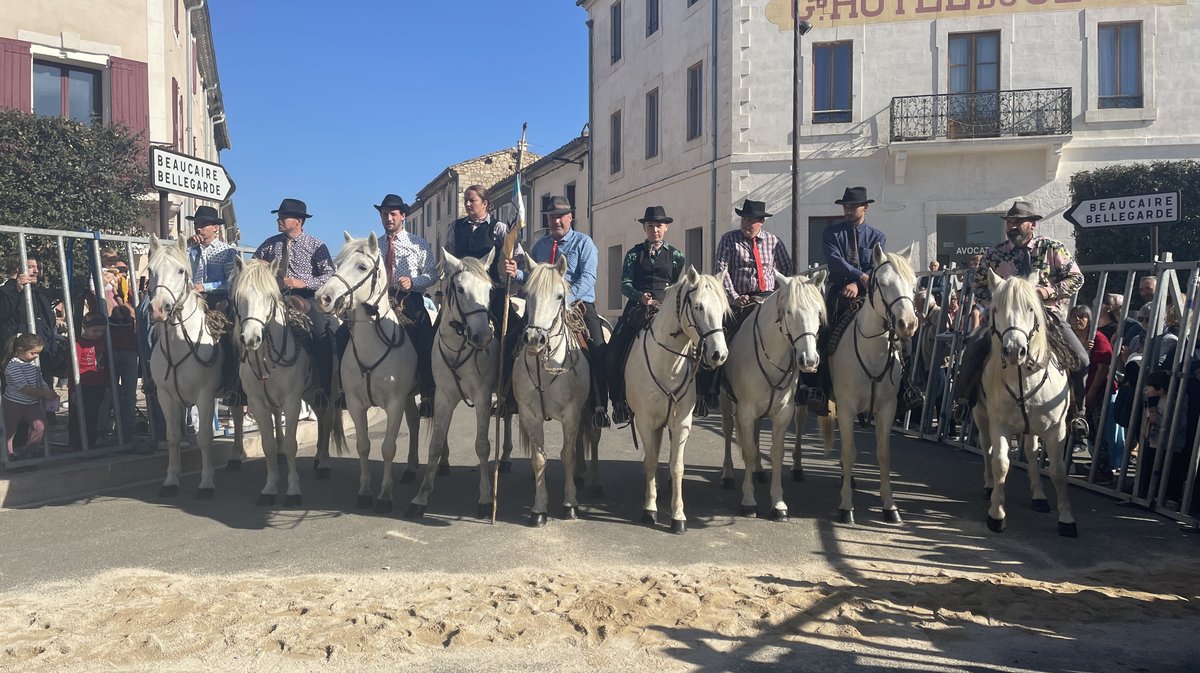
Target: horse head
1015, 314
800, 312
546, 294
359, 277
890, 291
702, 307
170, 275
255, 294
469, 290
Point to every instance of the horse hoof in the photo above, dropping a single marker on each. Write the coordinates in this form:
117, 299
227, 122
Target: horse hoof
570, 512
233, 465
414, 511
892, 516
760, 477
997, 525
484, 510
265, 500
443, 470
168, 491
205, 493
365, 502
779, 514
408, 477
537, 520
280, 459
648, 518
1068, 529
987, 493
383, 506
596, 491
798, 475
1041, 505
324, 473
750, 511
678, 526
291, 500
846, 516
505, 466
728, 484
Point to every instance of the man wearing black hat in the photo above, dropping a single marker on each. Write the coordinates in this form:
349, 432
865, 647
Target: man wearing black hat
647, 270
1024, 253
304, 266
411, 270
212, 266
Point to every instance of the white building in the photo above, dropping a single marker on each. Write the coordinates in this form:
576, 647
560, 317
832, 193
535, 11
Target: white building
946, 110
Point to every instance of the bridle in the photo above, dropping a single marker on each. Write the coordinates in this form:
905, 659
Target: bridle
267, 352
889, 330
1021, 396
693, 358
760, 349
467, 348
556, 330
390, 341
175, 319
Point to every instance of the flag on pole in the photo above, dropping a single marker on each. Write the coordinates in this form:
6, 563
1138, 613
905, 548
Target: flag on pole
519, 202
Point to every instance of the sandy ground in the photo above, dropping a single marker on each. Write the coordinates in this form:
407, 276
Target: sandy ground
885, 617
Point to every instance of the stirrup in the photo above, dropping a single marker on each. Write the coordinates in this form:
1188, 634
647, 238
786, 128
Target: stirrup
960, 410
701, 408
621, 413
1078, 426
803, 393
503, 408
910, 399
600, 417
817, 402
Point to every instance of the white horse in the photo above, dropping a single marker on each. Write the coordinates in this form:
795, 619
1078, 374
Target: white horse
1025, 391
379, 368
465, 355
551, 381
867, 366
772, 347
276, 371
687, 333
186, 362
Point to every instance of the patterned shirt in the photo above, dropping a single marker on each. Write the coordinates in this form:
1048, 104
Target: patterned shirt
19, 375
1050, 260
413, 258
734, 255
499, 231
308, 260
630, 263
212, 264
581, 256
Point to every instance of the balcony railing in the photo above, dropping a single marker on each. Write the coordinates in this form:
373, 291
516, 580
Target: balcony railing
983, 114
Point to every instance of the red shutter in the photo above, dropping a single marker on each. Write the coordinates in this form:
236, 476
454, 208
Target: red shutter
131, 96
16, 75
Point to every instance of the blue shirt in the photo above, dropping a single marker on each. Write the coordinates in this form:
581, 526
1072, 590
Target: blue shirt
212, 264
836, 241
581, 256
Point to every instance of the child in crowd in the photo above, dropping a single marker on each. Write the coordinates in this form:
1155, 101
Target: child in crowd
1158, 420
25, 393
93, 379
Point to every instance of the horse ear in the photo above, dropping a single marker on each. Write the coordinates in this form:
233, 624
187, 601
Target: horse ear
1033, 278
373, 243
347, 235
878, 256
452, 263
818, 280
491, 257
993, 281
154, 244
561, 265
239, 263
529, 263
910, 253
693, 276
781, 280
182, 243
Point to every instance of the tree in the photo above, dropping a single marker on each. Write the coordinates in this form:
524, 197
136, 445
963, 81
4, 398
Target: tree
56, 173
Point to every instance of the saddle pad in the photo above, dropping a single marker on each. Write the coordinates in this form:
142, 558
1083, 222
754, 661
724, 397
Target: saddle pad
839, 328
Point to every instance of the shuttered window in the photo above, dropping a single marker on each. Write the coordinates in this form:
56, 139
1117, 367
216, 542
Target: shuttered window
16, 67
131, 96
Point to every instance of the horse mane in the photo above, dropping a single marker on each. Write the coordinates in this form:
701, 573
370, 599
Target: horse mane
475, 267
543, 278
804, 295
173, 252
709, 284
256, 277
907, 275
1021, 295
354, 245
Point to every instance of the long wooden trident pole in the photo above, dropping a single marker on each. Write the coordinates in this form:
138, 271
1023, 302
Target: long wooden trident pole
510, 244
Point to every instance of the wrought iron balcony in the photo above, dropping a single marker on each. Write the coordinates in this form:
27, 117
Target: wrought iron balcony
983, 114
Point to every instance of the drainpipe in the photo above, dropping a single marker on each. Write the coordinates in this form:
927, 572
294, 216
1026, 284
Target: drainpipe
590, 126
190, 58
713, 244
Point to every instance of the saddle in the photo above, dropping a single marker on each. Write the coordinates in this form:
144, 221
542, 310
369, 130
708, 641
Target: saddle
834, 335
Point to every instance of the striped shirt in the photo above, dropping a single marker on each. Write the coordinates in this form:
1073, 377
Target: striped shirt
212, 264
412, 258
18, 375
308, 261
734, 255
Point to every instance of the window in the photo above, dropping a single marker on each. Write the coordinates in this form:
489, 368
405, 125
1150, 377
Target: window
832, 77
693, 247
816, 237
651, 17
652, 124
569, 192
973, 73
615, 259
614, 15
1121, 65
695, 101
614, 151
961, 236
692, 2
67, 91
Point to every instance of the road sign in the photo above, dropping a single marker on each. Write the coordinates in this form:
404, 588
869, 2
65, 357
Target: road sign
1137, 209
189, 176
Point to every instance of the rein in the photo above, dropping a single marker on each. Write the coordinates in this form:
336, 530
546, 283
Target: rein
467, 349
889, 331
395, 340
556, 330
176, 319
760, 350
1021, 396
267, 352
693, 357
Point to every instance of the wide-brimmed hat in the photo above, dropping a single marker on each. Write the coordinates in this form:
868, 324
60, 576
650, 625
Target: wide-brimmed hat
854, 196
292, 207
559, 205
656, 214
205, 215
755, 210
393, 202
1021, 210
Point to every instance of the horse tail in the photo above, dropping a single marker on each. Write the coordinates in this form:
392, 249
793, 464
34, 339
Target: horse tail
524, 442
337, 430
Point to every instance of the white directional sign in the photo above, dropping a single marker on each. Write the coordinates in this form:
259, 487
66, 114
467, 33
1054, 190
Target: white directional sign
189, 176
1138, 209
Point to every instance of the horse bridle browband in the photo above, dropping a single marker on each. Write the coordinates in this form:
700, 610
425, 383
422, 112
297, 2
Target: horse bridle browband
693, 360
462, 329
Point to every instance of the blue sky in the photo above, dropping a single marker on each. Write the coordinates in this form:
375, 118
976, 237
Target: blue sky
338, 104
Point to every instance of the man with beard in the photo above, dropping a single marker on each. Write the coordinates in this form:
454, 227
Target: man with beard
1058, 278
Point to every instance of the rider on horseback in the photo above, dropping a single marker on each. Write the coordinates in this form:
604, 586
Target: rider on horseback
648, 269
212, 267
1058, 279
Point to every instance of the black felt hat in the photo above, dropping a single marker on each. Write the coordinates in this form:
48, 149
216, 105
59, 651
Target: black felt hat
755, 210
294, 208
205, 215
656, 214
393, 202
1021, 210
854, 196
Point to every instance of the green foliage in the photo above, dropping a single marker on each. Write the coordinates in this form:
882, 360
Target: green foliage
1128, 244
59, 174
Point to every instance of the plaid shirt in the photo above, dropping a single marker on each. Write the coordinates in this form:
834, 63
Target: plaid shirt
309, 259
734, 255
1054, 265
412, 258
212, 264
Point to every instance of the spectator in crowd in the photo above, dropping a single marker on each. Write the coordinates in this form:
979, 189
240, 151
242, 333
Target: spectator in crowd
1147, 286
25, 393
933, 283
14, 314
125, 363
1109, 322
1158, 432
93, 380
1100, 357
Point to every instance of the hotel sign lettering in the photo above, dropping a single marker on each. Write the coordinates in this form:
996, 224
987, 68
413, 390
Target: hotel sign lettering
831, 13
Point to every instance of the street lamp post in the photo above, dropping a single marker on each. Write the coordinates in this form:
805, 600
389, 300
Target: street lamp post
799, 28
